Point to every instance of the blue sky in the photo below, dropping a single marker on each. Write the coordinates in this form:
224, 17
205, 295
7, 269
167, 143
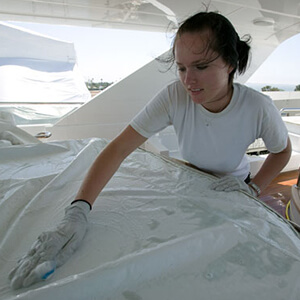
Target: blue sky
112, 54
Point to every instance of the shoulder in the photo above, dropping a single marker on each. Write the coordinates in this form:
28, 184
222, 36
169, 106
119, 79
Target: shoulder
251, 97
251, 93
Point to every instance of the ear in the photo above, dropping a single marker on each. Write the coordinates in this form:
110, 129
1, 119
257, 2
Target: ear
230, 69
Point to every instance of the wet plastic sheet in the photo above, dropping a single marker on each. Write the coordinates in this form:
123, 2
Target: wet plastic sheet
156, 232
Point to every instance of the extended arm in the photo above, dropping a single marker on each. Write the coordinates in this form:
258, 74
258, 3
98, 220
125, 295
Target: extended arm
108, 162
53, 248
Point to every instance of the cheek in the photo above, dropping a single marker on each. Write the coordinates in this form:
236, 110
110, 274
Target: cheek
210, 80
218, 79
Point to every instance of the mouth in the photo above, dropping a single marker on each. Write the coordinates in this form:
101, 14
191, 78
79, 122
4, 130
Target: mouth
195, 91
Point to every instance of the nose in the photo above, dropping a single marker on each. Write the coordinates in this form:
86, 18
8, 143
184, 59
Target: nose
189, 77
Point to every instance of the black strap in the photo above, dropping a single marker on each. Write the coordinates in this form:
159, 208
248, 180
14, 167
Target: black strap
82, 201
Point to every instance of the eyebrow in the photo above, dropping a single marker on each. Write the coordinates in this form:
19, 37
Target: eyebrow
197, 62
201, 61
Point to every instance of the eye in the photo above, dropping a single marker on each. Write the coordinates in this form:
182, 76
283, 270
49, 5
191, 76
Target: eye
180, 69
201, 67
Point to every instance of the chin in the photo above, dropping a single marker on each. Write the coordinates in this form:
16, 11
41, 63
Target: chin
198, 100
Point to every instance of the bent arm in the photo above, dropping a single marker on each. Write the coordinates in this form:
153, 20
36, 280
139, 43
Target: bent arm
107, 163
272, 166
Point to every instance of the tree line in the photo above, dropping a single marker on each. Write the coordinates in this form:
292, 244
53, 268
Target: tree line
269, 88
91, 85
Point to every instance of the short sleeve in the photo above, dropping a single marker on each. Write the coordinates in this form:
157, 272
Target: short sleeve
154, 117
274, 132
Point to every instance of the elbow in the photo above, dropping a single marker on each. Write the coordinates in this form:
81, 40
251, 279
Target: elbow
283, 157
288, 149
286, 153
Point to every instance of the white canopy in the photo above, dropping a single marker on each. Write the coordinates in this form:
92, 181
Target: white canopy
36, 68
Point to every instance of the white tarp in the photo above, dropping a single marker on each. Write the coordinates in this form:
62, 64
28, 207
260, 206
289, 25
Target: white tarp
10, 134
156, 232
36, 68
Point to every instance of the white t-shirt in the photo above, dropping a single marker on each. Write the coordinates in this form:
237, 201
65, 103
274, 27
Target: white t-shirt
216, 142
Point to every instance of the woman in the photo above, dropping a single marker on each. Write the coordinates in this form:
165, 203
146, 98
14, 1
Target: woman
215, 121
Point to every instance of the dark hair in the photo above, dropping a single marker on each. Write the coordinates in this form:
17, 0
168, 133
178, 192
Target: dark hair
224, 39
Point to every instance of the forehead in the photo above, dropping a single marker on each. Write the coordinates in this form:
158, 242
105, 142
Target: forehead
193, 46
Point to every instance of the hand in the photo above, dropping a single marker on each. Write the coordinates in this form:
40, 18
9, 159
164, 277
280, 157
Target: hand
52, 248
232, 183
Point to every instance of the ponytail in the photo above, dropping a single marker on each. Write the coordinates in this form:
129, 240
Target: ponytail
243, 50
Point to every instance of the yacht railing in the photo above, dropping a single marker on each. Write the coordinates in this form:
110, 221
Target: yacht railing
287, 111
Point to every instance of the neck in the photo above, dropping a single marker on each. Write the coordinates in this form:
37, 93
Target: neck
220, 103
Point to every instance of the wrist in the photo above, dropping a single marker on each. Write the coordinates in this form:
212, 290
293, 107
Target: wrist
82, 200
255, 188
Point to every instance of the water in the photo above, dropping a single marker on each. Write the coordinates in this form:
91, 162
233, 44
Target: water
284, 87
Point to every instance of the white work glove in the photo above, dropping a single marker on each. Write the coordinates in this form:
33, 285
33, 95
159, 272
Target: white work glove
231, 183
52, 248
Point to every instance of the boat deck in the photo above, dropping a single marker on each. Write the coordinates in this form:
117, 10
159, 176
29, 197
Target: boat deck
278, 193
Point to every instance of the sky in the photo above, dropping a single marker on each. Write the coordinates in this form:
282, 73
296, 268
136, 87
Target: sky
283, 65
107, 54
110, 54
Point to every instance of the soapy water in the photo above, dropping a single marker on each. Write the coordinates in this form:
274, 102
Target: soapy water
129, 295
255, 260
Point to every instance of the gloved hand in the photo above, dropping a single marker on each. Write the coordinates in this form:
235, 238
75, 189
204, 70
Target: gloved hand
52, 248
232, 183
